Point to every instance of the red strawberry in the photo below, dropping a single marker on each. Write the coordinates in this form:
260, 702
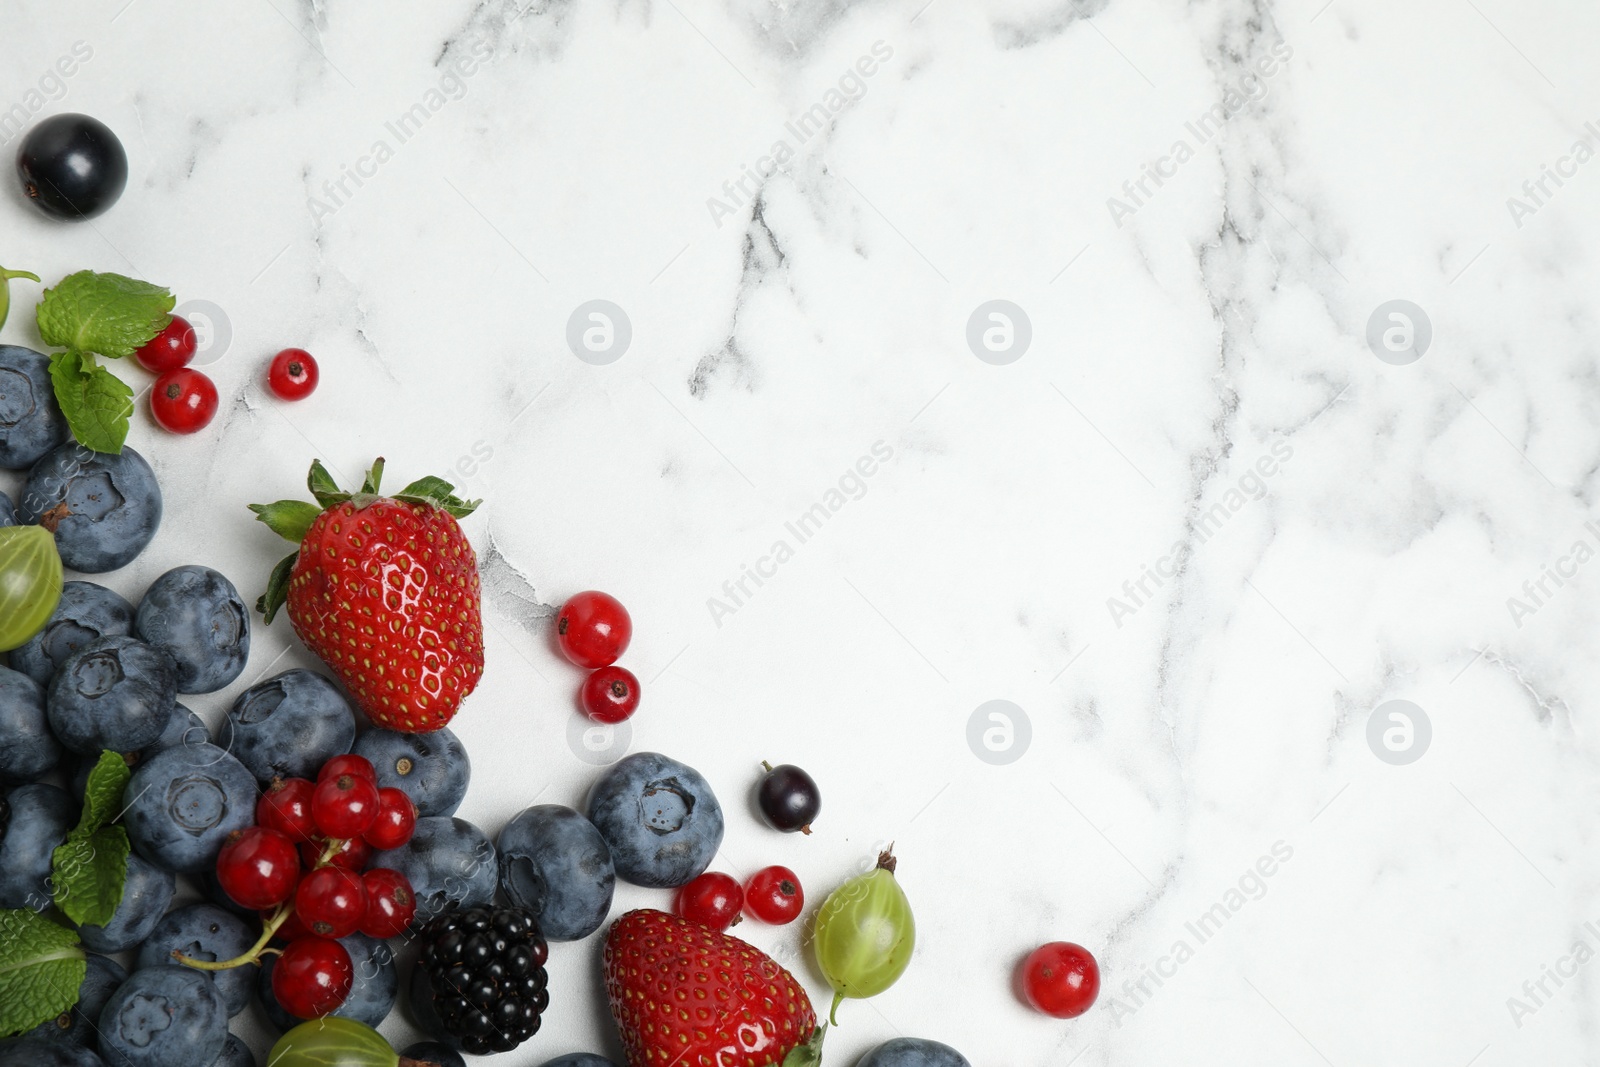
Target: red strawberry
684, 995
385, 591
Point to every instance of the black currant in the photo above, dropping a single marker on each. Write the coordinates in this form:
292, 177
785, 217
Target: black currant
72, 166
789, 798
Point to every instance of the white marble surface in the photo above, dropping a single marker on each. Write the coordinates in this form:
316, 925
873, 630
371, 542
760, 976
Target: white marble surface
1177, 340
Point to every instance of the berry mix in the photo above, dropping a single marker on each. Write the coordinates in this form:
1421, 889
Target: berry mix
315, 828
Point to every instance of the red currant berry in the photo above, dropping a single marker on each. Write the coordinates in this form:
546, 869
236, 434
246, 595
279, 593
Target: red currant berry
397, 818
352, 855
293, 374
344, 807
593, 629
1061, 979
170, 349
331, 901
773, 895
258, 867
286, 808
348, 763
391, 905
312, 977
610, 694
713, 900
183, 401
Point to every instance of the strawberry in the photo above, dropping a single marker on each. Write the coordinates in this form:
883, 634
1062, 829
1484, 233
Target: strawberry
385, 591
684, 995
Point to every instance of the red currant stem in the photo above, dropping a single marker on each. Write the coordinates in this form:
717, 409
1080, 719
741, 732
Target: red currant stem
251, 955
333, 849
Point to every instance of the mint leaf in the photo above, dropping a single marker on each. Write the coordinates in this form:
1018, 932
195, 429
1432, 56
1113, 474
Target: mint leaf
289, 519
104, 313
88, 873
96, 402
41, 969
89, 868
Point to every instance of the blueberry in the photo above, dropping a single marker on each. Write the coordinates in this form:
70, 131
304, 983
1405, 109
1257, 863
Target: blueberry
235, 1054
8, 511
913, 1052
30, 1051
164, 1017
579, 1059
145, 896
288, 726
431, 768
27, 747
184, 727
434, 1053
104, 509
184, 802
116, 693
197, 616
660, 818
372, 994
204, 932
87, 612
78, 1023
31, 422
554, 863
447, 861
40, 818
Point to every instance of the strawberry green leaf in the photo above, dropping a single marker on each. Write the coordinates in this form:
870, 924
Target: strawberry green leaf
104, 313
41, 968
88, 873
289, 519
438, 493
323, 487
96, 402
810, 1053
374, 477
277, 588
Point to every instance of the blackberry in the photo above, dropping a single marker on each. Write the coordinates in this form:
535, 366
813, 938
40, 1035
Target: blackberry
479, 982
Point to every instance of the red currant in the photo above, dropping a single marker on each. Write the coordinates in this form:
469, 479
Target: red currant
291, 929
170, 349
343, 807
1061, 979
391, 905
610, 694
397, 818
713, 900
293, 374
183, 401
258, 867
348, 763
773, 895
593, 629
331, 901
353, 854
312, 977
286, 807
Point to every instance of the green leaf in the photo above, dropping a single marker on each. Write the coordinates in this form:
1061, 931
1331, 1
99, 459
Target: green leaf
289, 519
41, 968
89, 868
323, 487
105, 313
810, 1053
438, 493
5, 289
89, 872
374, 477
277, 588
102, 795
96, 402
